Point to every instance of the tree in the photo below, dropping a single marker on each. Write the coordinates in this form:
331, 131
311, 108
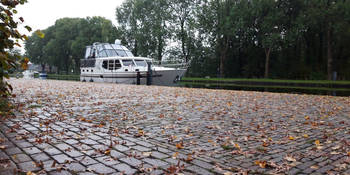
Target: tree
144, 26
269, 27
9, 39
65, 42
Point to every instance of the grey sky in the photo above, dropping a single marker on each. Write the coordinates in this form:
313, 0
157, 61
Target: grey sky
40, 14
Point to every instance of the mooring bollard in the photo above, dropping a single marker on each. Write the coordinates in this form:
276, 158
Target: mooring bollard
138, 77
149, 74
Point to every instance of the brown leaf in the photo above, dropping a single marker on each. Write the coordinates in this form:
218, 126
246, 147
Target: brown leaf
53, 164
189, 158
180, 145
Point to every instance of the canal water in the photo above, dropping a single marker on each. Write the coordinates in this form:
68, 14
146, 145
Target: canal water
278, 89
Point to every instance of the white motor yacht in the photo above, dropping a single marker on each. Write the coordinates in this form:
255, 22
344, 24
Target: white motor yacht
114, 63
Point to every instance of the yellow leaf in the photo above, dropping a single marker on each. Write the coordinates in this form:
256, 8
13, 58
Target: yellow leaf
307, 117
317, 142
306, 136
237, 146
262, 164
229, 103
291, 138
40, 34
175, 155
30, 173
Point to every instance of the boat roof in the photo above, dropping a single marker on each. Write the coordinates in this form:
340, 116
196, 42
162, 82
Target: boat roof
103, 50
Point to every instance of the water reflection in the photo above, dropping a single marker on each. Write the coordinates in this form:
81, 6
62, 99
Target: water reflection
293, 90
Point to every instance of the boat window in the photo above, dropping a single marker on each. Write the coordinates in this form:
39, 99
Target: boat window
102, 54
117, 65
116, 46
111, 53
128, 63
121, 53
129, 54
88, 52
104, 64
141, 63
110, 64
108, 46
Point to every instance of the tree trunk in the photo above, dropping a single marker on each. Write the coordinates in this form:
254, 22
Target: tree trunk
267, 60
329, 54
223, 55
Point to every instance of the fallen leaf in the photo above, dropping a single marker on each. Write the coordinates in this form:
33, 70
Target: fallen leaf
306, 136
3, 146
189, 158
30, 173
262, 164
175, 155
291, 138
237, 146
334, 153
314, 167
146, 154
317, 143
107, 152
180, 145
291, 159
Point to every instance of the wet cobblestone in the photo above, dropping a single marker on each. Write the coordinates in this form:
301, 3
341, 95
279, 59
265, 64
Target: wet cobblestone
94, 128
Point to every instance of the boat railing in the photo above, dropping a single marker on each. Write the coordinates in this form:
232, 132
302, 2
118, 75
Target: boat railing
172, 64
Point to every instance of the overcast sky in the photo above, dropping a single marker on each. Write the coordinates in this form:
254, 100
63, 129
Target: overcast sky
40, 14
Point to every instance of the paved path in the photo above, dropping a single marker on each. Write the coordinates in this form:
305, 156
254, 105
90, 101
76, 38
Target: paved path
64, 127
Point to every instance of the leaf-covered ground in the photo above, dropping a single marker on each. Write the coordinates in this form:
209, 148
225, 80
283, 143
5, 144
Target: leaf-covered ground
76, 127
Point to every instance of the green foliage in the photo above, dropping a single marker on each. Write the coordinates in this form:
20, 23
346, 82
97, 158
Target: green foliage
64, 43
144, 27
9, 38
289, 39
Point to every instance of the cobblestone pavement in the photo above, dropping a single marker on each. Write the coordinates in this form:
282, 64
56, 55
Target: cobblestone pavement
64, 127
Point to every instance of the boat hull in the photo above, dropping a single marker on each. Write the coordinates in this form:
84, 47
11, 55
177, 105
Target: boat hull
166, 77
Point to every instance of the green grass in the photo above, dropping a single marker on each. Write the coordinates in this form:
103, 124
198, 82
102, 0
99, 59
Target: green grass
63, 77
266, 80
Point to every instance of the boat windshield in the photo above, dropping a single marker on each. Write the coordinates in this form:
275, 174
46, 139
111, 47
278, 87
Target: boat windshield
142, 63
102, 50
